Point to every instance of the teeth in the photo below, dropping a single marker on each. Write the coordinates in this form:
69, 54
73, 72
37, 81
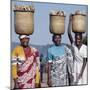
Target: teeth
24, 8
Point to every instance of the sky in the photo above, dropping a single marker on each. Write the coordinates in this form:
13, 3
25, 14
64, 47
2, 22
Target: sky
41, 35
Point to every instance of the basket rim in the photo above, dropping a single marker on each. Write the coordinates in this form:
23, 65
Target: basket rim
58, 15
23, 11
78, 14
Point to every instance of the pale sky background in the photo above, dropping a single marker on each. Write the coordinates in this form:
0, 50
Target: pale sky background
41, 35
5, 46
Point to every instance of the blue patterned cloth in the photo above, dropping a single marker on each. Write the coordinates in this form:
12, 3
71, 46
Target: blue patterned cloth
62, 65
55, 51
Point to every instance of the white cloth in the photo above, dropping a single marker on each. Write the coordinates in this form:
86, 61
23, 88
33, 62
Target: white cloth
79, 55
23, 36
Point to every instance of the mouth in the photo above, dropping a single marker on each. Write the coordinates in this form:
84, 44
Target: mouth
25, 44
57, 43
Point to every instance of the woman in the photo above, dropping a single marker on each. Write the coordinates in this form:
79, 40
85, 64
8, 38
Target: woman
25, 65
60, 62
80, 56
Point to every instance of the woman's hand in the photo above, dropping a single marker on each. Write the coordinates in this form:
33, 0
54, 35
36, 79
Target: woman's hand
49, 74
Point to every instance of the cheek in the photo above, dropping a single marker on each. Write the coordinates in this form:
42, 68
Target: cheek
21, 41
27, 40
78, 41
58, 40
55, 39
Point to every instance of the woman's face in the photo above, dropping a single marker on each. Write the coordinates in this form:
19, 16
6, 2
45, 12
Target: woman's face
78, 40
57, 40
24, 42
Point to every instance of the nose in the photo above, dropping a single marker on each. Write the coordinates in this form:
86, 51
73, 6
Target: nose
26, 39
58, 39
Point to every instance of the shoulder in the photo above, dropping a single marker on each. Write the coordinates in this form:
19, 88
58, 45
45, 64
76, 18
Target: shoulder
83, 51
17, 48
51, 48
84, 46
68, 48
33, 49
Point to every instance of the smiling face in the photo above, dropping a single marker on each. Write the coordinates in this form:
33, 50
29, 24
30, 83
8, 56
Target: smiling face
57, 39
24, 42
78, 39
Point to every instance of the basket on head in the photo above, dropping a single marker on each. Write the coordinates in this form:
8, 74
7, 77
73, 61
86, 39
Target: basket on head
78, 22
57, 22
24, 20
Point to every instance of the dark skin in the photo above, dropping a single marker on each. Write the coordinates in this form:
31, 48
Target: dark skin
78, 43
57, 41
25, 44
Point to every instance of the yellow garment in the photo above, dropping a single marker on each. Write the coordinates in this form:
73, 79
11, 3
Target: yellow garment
37, 75
14, 71
18, 52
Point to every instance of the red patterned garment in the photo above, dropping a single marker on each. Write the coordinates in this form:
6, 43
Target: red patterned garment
27, 70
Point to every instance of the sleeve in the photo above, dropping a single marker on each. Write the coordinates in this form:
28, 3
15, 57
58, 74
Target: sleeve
85, 52
14, 64
49, 56
70, 62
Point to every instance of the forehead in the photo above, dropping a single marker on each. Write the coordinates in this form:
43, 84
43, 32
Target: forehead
24, 38
78, 36
57, 36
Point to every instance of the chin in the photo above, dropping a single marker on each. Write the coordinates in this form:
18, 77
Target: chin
78, 44
57, 44
25, 45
